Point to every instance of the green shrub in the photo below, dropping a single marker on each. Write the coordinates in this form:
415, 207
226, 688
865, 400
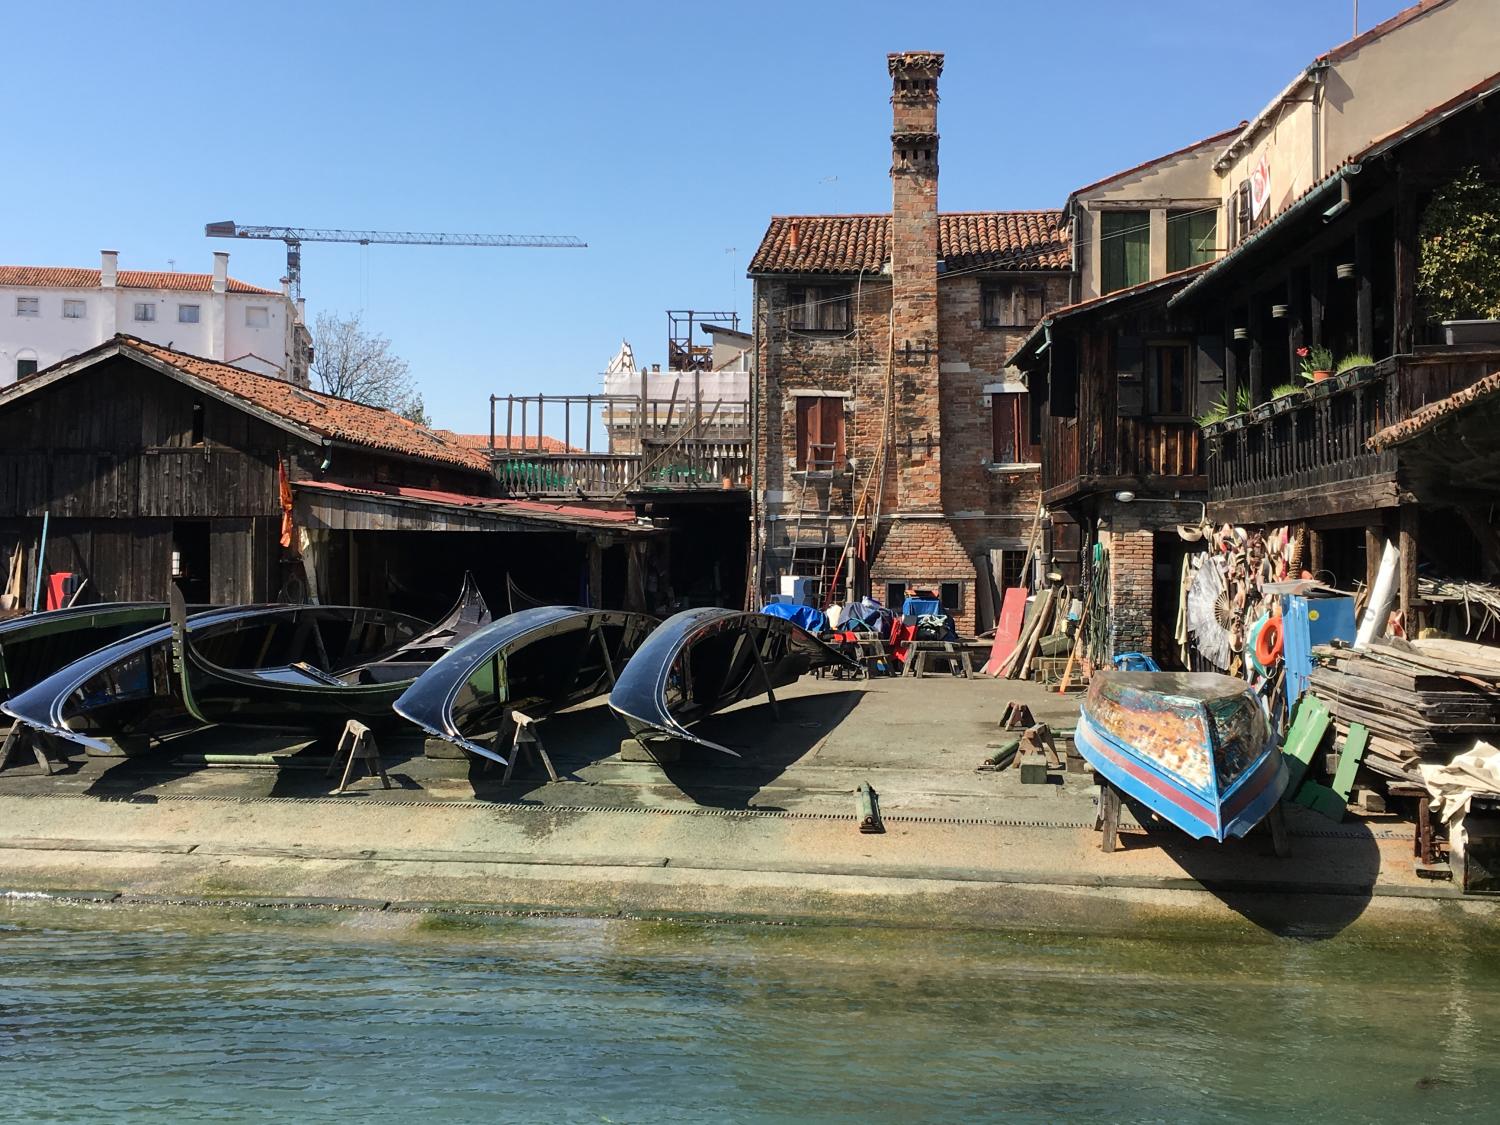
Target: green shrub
1458, 271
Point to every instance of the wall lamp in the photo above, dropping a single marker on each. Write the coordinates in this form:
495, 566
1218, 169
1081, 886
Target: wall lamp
1128, 497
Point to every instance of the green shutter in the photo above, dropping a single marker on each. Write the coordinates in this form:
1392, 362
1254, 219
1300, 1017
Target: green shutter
1125, 253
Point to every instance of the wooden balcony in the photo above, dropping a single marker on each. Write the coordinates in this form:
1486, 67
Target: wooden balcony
676, 466
1141, 454
1306, 456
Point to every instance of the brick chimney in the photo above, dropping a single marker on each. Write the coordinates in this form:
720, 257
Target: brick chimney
914, 274
109, 268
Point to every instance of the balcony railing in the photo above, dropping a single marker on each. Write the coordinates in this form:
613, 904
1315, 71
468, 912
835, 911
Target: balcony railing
1305, 451
679, 465
1081, 456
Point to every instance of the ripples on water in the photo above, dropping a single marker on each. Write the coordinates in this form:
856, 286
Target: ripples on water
110, 1013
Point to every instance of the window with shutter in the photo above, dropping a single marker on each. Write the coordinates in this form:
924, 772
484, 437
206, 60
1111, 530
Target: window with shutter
820, 433
820, 308
1010, 429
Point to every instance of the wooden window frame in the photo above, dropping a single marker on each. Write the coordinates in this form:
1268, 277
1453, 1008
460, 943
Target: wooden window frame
832, 308
1015, 297
1010, 429
814, 414
1153, 383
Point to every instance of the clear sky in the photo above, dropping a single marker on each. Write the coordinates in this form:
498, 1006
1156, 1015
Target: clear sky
663, 134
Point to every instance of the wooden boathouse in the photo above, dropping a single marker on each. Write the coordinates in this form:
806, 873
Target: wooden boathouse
147, 466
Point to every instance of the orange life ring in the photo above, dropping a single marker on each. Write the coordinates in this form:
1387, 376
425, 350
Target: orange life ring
1268, 642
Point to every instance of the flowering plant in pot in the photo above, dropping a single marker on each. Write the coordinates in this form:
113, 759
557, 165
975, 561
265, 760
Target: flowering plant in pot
1317, 363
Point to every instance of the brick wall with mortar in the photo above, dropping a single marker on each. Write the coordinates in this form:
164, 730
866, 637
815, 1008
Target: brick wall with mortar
1132, 565
938, 390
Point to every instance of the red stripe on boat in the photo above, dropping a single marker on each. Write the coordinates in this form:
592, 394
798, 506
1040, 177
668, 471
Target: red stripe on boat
1186, 802
1251, 787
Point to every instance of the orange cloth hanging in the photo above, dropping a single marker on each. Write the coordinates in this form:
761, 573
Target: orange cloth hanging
287, 530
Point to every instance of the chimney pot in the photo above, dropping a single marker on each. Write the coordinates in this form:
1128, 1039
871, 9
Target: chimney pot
794, 236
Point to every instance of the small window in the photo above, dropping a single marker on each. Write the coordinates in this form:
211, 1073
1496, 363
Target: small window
28, 306
145, 310
187, 314
897, 590
1190, 238
1243, 216
1012, 569
1012, 306
25, 367
820, 433
820, 308
257, 316
1125, 249
1167, 375
1010, 429
74, 310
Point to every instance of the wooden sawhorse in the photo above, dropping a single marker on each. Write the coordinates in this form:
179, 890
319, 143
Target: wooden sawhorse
357, 744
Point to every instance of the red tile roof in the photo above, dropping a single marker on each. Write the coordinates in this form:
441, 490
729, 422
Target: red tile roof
339, 419
67, 277
1435, 412
518, 509
546, 443
1018, 240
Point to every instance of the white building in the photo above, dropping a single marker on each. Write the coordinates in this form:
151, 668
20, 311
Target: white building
48, 313
722, 383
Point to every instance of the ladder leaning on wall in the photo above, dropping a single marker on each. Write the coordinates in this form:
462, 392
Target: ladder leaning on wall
811, 551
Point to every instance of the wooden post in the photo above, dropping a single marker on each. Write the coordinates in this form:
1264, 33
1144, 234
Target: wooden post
596, 573
1409, 517
1257, 362
1296, 337
1405, 314
1317, 300
1231, 363
1314, 560
1364, 295
1374, 546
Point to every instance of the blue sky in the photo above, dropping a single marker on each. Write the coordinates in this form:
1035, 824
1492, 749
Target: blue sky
662, 134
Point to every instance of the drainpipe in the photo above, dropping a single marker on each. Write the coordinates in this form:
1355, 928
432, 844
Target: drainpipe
1315, 74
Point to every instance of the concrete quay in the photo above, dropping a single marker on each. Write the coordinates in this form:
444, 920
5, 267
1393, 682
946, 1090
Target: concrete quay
769, 837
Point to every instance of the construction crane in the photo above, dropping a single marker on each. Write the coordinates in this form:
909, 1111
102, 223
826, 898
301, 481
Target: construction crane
294, 237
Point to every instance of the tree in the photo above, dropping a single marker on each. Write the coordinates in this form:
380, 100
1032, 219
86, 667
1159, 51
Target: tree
352, 363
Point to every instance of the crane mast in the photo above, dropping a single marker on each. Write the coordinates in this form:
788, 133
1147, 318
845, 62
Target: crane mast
294, 237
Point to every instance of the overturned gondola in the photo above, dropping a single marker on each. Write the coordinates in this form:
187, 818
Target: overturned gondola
35, 645
282, 667
703, 660
536, 661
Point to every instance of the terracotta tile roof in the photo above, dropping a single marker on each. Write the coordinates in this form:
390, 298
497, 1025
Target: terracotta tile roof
1020, 240
1435, 412
67, 277
336, 418
516, 509
545, 442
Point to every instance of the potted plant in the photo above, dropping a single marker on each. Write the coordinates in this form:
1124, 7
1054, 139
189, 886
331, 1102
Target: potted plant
1284, 397
1458, 270
1317, 364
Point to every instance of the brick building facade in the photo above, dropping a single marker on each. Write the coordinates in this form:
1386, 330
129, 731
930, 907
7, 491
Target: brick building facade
885, 416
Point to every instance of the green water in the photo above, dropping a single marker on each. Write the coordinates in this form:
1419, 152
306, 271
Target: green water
137, 1014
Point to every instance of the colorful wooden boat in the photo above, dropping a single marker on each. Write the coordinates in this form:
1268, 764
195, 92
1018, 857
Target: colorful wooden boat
1193, 747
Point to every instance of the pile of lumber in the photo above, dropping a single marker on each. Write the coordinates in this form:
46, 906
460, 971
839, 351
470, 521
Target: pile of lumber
1423, 701
1046, 616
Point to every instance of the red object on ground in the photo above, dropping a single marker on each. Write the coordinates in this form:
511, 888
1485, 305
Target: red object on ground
57, 582
902, 635
1008, 631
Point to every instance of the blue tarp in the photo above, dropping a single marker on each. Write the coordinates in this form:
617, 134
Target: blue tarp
808, 617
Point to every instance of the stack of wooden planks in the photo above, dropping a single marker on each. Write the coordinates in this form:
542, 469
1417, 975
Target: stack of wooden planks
1045, 616
1423, 701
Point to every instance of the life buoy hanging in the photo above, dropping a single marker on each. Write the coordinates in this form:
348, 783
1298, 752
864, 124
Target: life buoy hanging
1268, 642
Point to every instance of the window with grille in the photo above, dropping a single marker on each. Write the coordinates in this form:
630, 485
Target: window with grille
820, 433
820, 308
28, 306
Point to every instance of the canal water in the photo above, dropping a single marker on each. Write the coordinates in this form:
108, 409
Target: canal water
112, 1013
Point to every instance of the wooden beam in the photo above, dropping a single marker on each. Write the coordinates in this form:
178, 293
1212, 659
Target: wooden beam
1364, 293
1408, 520
1374, 548
1314, 559
1405, 313
1317, 299
1296, 336
1257, 363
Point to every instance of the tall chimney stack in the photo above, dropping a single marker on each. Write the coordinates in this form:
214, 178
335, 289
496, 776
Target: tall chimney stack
109, 268
914, 275
221, 271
